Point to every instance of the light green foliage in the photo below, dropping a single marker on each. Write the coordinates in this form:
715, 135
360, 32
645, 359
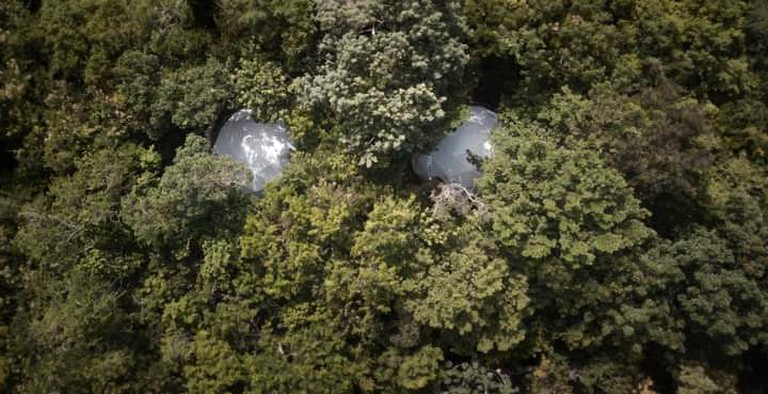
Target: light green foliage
471, 295
572, 226
157, 101
66, 134
472, 377
263, 88
737, 198
80, 36
310, 210
200, 194
714, 58
695, 378
418, 369
218, 263
554, 202
465, 293
555, 42
390, 70
320, 218
138, 74
72, 125
313, 359
743, 125
217, 367
390, 233
173, 34
81, 39
362, 275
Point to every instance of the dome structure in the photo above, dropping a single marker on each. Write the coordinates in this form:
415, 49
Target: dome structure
450, 160
263, 147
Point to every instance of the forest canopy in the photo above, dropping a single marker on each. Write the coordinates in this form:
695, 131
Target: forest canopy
616, 242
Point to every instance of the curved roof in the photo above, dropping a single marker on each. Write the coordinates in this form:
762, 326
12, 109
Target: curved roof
263, 147
450, 160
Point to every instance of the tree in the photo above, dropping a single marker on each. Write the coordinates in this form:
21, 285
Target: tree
617, 241
14, 81
280, 30
717, 294
392, 77
472, 377
200, 194
469, 295
76, 38
382, 272
74, 338
662, 142
695, 378
583, 43
10, 258
80, 215
137, 75
192, 98
554, 201
263, 88
572, 226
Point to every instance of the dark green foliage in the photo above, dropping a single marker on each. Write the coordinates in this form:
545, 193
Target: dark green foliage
198, 195
80, 213
723, 300
662, 143
283, 30
191, 98
700, 45
616, 243
77, 339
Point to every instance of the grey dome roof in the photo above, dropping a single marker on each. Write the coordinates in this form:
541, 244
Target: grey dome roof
449, 160
263, 147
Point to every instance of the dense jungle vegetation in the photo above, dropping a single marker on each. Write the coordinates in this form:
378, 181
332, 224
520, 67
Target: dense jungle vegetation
616, 243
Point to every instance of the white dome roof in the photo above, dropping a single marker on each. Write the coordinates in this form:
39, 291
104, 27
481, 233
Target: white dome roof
449, 160
263, 147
